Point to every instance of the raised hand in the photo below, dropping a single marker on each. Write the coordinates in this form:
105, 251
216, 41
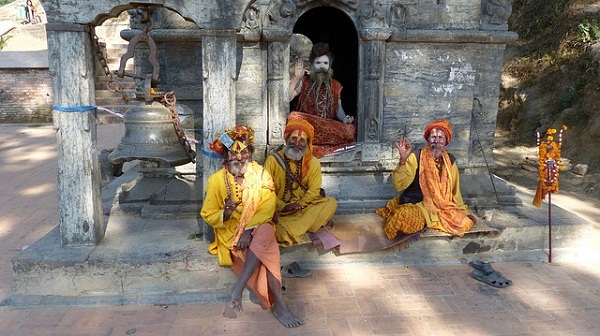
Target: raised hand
404, 148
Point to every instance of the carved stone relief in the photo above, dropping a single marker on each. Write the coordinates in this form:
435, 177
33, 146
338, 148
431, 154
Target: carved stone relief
397, 17
251, 24
495, 13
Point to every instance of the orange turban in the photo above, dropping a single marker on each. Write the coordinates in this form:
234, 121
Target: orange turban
444, 125
299, 125
306, 127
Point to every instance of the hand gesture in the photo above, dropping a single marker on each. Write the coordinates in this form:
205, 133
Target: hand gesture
291, 208
299, 70
229, 208
348, 119
404, 148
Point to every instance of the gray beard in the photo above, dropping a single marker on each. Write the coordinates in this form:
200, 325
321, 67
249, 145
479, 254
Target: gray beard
321, 77
237, 168
294, 154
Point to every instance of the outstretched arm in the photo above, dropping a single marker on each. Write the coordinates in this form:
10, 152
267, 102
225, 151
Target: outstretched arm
296, 80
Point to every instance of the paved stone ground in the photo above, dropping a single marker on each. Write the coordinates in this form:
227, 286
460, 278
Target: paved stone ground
545, 299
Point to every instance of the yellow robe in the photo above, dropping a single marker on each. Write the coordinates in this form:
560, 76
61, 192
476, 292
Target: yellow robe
319, 210
214, 205
403, 176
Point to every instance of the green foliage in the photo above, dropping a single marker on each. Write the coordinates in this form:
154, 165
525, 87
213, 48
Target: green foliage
6, 2
589, 30
4, 41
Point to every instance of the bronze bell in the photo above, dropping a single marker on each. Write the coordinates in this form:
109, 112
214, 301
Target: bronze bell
150, 135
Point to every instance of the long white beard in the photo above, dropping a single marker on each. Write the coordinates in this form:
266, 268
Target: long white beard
294, 153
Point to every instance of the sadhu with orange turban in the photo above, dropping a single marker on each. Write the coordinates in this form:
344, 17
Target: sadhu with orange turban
297, 175
429, 186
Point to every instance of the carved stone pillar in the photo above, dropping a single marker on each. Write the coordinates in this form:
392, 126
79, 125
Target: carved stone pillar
218, 83
71, 66
278, 80
370, 98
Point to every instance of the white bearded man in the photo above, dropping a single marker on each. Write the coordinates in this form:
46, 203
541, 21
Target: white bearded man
300, 206
319, 102
239, 204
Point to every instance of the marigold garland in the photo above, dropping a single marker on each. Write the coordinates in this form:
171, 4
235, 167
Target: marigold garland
549, 163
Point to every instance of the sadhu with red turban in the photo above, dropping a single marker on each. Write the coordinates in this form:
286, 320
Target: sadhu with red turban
429, 186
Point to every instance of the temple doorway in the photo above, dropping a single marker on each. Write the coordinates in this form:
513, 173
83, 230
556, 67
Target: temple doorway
332, 26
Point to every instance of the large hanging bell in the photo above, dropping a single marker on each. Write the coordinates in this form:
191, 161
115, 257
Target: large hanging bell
150, 136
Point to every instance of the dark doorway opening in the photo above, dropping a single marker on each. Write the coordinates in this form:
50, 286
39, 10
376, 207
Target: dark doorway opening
332, 26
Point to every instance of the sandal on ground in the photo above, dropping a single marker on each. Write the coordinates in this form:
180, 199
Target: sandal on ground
482, 266
494, 279
294, 270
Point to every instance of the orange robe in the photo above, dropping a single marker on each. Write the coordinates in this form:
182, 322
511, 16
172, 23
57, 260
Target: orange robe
442, 207
330, 134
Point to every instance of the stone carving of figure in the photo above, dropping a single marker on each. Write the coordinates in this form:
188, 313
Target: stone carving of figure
372, 130
398, 16
497, 11
251, 19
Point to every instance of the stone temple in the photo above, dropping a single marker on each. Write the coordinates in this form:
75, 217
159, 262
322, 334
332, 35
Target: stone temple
402, 63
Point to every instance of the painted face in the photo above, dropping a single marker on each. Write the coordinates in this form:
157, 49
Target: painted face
437, 138
237, 162
321, 63
296, 145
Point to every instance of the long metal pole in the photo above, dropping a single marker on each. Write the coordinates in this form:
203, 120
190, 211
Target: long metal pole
550, 227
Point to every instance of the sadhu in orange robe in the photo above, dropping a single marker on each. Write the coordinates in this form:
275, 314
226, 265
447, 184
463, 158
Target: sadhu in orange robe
431, 199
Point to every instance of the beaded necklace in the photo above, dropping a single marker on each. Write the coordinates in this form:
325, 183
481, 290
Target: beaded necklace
289, 181
230, 192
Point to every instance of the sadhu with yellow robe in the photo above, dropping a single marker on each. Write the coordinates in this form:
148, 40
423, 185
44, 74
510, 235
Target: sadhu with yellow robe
239, 204
429, 186
301, 208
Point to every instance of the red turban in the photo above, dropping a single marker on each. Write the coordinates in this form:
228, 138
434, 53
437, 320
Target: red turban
444, 125
304, 126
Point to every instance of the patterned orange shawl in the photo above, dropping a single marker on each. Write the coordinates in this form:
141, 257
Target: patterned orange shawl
436, 186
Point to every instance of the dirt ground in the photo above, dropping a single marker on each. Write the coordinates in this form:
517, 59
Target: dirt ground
519, 165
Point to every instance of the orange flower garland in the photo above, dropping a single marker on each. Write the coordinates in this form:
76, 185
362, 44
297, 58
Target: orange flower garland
549, 160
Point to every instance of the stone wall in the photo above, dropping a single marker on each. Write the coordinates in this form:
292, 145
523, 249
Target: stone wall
25, 95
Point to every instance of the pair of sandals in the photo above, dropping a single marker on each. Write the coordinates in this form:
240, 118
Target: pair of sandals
294, 270
484, 272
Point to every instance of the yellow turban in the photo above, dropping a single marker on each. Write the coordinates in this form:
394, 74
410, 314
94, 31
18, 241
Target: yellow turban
444, 125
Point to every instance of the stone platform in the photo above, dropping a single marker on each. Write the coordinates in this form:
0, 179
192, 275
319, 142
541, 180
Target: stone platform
159, 260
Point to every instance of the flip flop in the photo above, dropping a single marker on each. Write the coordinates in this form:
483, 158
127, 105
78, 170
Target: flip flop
494, 279
294, 270
482, 266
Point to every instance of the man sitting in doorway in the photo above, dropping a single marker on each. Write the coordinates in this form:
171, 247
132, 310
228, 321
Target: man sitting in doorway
319, 102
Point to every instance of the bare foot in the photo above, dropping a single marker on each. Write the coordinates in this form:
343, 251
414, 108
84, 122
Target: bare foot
229, 311
284, 316
235, 305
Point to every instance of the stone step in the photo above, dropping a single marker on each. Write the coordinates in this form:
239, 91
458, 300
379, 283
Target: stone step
162, 261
